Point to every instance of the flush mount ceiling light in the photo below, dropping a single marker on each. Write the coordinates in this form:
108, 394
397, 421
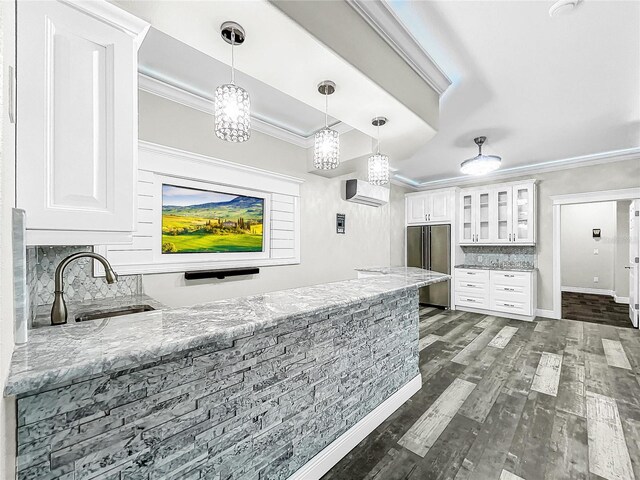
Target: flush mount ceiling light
326, 155
563, 7
378, 162
480, 164
232, 105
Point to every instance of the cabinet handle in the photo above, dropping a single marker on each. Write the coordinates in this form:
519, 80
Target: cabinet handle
426, 217
509, 276
507, 289
12, 95
509, 305
471, 273
471, 285
509, 237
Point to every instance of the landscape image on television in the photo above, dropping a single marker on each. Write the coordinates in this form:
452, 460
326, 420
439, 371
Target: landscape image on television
202, 221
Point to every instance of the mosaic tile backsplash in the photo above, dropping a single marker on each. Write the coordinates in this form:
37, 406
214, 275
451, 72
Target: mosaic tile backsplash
79, 282
500, 256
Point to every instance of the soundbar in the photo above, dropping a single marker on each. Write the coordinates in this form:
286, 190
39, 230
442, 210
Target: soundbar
220, 274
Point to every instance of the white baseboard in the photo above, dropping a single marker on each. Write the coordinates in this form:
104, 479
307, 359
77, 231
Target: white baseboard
513, 316
592, 291
540, 312
315, 468
618, 299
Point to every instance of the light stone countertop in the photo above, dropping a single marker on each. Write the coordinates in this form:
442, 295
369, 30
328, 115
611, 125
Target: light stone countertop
65, 353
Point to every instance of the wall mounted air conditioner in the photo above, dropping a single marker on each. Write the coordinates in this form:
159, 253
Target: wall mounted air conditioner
359, 191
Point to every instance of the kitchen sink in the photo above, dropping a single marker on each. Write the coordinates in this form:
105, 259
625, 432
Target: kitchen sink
116, 312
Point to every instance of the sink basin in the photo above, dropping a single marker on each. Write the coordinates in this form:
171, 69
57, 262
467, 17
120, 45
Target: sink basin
116, 312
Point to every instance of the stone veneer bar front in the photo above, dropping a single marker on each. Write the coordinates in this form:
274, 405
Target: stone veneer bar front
253, 394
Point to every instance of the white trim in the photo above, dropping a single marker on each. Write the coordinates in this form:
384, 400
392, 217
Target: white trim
391, 29
156, 148
573, 198
557, 276
315, 468
184, 97
551, 166
618, 299
540, 312
513, 316
589, 291
603, 196
114, 16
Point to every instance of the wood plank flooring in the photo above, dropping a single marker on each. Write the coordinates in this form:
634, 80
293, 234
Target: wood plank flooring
591, 308
509, 400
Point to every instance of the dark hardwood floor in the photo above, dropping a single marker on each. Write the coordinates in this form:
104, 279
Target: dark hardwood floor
507, 400
601, 309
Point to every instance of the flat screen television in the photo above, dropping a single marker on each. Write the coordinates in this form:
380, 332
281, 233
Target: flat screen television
205, 221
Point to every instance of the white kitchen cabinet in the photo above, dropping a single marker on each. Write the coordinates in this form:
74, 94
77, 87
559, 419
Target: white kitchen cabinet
430, 207
77, 121
506, 292
498, 214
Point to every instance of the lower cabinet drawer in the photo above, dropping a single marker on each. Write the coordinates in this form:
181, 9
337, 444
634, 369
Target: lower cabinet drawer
511, 306
465, 299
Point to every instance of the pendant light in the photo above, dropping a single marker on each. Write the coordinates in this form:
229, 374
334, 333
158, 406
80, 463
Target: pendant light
232, 105
326, 155
378, 162
480, 164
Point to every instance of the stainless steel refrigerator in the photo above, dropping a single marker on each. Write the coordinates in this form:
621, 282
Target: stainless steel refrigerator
429, 247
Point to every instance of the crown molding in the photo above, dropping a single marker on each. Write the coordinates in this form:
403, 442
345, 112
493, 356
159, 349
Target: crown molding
379, 15
116, 17
551, 166
179, 95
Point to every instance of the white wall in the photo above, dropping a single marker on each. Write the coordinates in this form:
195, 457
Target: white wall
7, 195
621, 274
325, 255
579, 264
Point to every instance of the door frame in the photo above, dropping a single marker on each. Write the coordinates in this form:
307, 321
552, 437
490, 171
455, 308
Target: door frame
573, 199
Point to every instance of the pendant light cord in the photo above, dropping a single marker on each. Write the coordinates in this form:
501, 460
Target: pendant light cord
326, 108
233, 42
378, 148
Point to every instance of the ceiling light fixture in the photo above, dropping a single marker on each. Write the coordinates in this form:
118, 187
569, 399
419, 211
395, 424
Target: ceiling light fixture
326, 155
378, 162
563, 7
480, 164
232, 105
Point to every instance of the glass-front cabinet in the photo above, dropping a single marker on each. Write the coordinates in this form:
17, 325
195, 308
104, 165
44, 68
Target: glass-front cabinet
523, 213
498, 214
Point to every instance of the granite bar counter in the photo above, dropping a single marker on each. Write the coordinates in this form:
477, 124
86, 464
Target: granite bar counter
238, 388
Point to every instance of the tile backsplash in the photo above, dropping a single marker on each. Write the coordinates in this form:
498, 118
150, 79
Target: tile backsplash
500, 256
79, 282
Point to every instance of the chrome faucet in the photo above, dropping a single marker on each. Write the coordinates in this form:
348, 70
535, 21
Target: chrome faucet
59, 308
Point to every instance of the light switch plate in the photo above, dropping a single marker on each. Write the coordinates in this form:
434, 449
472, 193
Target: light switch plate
595, 251
596, 279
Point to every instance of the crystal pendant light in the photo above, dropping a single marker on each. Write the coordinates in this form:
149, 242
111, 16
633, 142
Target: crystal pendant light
232, 105
326, 155
480, 164
378, 162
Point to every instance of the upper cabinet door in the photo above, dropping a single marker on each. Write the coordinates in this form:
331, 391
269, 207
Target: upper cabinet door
467, 217
484, 229
77, 120
503, 215
524, 213
416, 209
440, 209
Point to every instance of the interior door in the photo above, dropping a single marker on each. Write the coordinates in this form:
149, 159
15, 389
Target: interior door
634, 267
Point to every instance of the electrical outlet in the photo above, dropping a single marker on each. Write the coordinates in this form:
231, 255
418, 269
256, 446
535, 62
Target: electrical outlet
595, 251
596, 279
480, 259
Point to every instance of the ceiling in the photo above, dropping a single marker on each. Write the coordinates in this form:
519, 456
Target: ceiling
285, 61
171, 61
540, 88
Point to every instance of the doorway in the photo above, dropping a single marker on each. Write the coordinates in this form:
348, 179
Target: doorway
593, 274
